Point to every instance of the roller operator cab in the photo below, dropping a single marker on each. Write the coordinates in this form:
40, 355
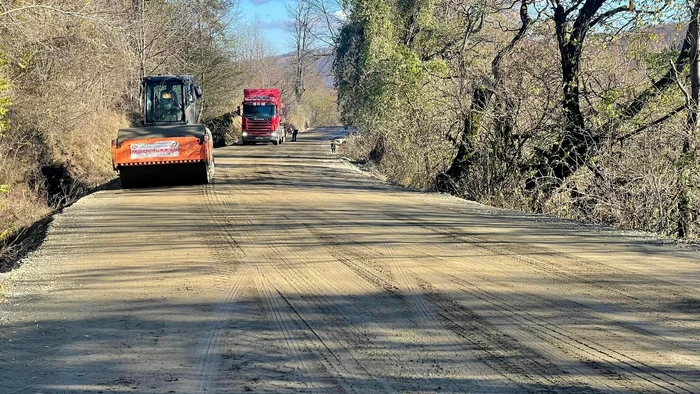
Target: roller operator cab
170, 100
263, 116
170, 148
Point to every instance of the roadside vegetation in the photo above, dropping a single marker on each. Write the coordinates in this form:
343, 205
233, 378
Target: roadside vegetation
70, 78
582, 109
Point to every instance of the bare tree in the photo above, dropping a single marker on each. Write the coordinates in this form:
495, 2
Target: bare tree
482, 94
300, 11
329, 16
687, 159
254, 57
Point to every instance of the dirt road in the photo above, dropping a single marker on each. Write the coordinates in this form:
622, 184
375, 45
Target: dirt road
294, 272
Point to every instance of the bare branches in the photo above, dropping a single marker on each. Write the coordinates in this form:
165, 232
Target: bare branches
77, 14
330, 17
649, 125
525, 23
300, 12
610, 13
681, 86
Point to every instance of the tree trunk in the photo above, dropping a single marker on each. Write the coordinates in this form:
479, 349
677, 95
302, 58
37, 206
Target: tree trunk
564, 159
448, 181
301, 12
687, 160
577, 144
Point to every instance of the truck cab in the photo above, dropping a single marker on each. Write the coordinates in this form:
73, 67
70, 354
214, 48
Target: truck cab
263, 116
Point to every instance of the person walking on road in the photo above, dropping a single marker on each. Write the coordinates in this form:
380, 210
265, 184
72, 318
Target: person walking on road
294, 134
333, 147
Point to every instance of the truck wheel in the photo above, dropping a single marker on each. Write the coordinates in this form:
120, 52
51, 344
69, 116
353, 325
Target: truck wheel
276, 142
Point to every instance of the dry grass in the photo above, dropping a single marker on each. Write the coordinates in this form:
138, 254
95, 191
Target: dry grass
85, 160
297, 117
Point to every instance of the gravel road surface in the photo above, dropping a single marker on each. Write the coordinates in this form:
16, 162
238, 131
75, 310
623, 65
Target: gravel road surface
294, 272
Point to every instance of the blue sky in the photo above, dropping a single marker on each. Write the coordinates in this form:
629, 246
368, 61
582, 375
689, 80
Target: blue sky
273, 18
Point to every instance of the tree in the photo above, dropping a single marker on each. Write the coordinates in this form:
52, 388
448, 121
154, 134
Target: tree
330, 16
481, 96
302, 20
573, 22
515, 128
688, 158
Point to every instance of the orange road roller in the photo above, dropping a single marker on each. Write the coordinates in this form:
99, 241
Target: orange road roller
170, 148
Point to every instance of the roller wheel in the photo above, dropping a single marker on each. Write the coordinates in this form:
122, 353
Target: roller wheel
208, 173
130, 178
127, 182
166, 175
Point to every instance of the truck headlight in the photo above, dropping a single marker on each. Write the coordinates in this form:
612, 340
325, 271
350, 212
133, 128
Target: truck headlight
273, 134
244, 134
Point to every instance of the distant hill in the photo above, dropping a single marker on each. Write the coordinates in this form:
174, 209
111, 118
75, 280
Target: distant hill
671, 33
323, 64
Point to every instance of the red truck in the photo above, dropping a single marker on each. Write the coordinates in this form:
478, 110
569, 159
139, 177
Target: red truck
263, 116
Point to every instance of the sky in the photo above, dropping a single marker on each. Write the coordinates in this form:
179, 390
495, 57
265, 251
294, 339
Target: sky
275, 22
273, 18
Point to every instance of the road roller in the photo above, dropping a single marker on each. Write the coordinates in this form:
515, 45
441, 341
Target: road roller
170, 148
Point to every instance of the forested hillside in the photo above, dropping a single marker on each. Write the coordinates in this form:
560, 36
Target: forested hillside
70, 78
583, 109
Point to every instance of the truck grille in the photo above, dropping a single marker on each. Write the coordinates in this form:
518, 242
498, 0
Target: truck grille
258, 127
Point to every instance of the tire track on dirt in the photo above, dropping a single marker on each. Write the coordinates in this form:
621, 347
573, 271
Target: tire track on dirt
606, 355
228, 256
609, 361
563, 342
298, 333
446, 311
410, 289
287, 323
497, 347
446, 308
518, 363
571, 271
274, 308
345, 363
550, 261
657, 301
342, 365
349, 362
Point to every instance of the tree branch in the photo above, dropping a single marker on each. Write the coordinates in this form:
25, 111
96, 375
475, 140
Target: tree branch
44, 7
610, 13
654, 123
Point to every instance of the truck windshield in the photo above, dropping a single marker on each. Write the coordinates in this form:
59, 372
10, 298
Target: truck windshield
164, 101
266, 111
